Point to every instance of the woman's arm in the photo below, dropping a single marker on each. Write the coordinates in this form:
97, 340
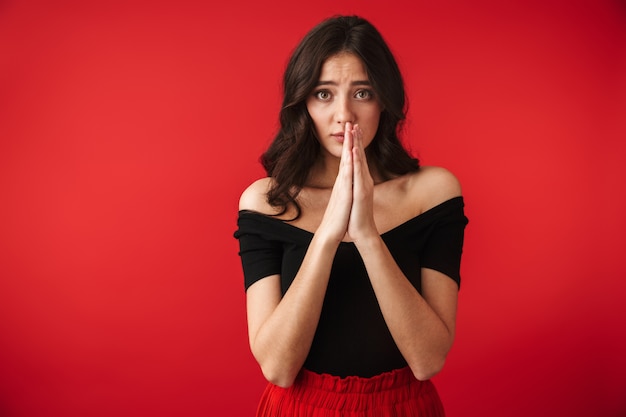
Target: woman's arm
423, 325
281, 329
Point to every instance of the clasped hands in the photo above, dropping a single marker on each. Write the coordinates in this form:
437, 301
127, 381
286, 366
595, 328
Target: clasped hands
349, 214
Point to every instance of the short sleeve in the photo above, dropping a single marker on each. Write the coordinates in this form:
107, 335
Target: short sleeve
260, 255
444, 246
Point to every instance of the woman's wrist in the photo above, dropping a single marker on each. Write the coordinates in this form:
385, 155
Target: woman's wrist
369, 243
326, 240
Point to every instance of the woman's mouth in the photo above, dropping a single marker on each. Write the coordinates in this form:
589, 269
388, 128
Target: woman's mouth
338, 137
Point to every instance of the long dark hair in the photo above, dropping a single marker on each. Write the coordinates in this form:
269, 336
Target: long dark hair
295, 148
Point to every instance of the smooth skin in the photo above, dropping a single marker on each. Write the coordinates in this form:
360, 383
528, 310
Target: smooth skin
345, 200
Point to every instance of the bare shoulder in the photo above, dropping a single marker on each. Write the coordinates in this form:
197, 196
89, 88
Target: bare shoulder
434, 185
254, 197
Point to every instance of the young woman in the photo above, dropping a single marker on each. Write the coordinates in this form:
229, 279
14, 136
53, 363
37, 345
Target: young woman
351, 251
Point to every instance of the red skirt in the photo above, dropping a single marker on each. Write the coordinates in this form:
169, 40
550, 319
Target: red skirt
391, 394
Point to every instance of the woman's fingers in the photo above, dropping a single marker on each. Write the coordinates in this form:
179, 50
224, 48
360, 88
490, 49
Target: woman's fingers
356, 153
348, 142
346, 168
337, 215
361, 215
361, 170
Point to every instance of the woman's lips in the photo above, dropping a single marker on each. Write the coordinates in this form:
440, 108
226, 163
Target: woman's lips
338, 137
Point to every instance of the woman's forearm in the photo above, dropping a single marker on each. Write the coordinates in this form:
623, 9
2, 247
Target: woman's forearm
423, 337
282, 342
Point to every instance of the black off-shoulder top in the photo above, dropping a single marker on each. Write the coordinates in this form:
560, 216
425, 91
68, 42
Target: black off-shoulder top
352, 337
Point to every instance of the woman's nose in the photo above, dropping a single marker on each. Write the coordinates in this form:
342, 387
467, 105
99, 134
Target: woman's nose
344, 112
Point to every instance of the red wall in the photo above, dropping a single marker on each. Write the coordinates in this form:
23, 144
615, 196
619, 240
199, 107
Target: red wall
129, 129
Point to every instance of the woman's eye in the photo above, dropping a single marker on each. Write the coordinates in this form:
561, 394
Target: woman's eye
364, 94
322, 95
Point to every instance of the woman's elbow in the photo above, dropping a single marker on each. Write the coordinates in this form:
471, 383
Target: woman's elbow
276, 369
279, 377
425, 372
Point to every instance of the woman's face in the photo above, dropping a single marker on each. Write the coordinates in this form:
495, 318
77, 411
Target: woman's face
343, 94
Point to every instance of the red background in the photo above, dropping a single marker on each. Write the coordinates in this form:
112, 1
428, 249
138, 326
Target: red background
129, 129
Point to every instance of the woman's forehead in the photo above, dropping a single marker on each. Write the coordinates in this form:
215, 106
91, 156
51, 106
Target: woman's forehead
344, 66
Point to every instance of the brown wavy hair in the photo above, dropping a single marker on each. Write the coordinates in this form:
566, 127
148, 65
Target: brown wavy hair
295, 148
